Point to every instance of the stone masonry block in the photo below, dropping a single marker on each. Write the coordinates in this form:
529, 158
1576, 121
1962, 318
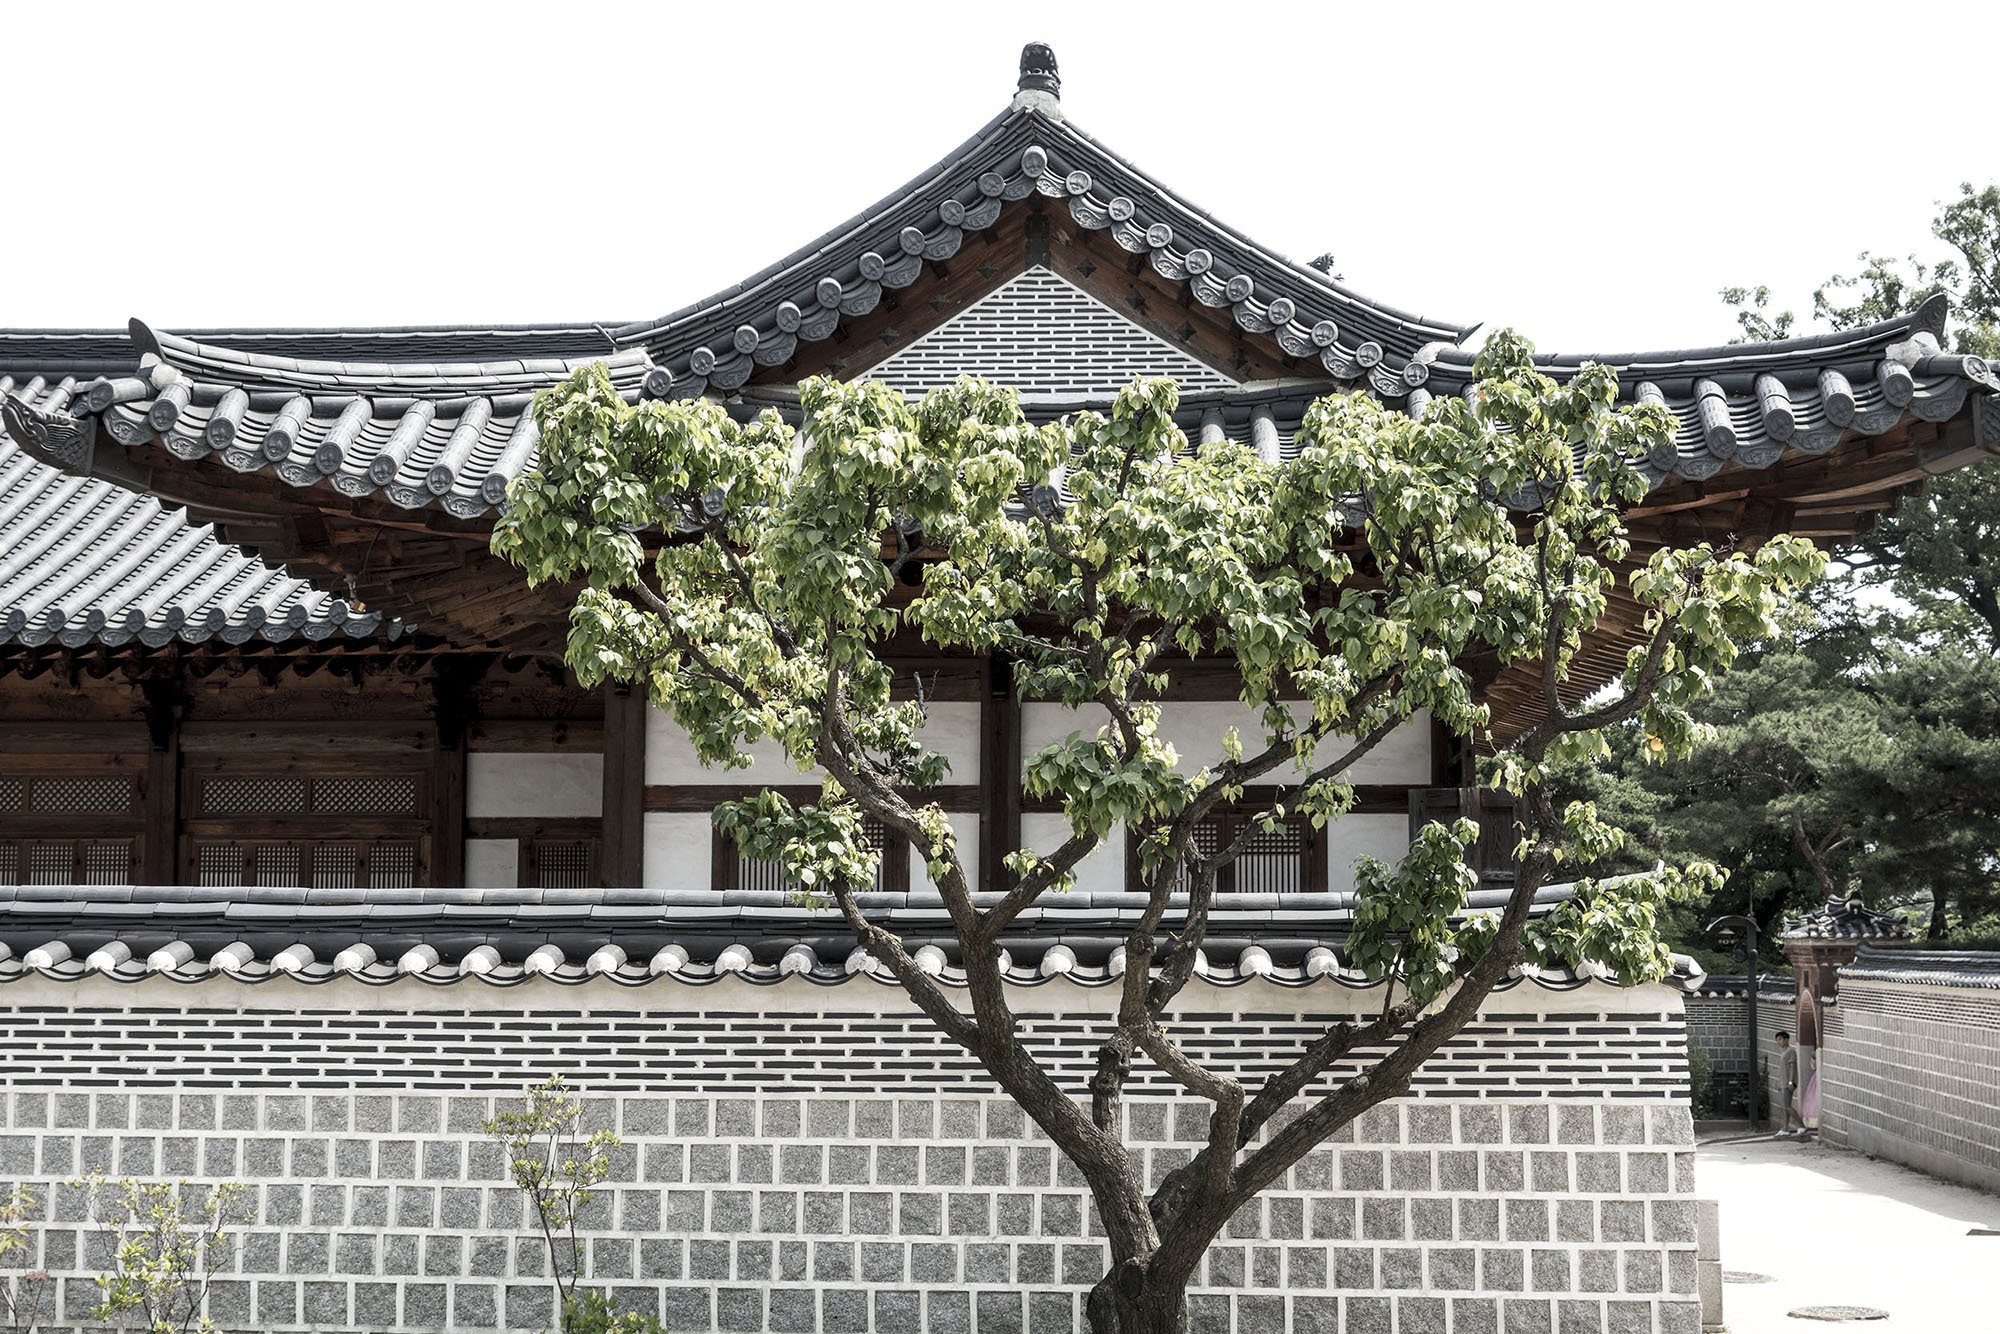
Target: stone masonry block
1528, 1124
1367, 1315
1549, 1270
1503, 1172
1411, 1169
1475, 1315
1576, 1124
1526, 1315
1361, 1169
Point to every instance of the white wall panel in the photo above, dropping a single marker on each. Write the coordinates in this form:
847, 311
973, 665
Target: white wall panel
492, 863
1385, 837
1102, 872
678, 848
499, 784
952, 730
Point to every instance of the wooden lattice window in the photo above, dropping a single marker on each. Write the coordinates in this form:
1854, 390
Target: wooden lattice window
558, 863
731, 870
70, 820
68, 861
317, 822
306, 863
1290, 859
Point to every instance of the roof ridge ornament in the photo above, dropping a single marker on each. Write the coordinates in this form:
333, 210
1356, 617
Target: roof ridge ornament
1040, 86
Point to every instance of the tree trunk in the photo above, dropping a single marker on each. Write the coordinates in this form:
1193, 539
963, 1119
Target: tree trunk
1939, 921
1136, 1306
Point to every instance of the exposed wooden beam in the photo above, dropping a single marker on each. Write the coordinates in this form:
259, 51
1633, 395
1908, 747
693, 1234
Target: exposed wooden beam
621, 859
999, 773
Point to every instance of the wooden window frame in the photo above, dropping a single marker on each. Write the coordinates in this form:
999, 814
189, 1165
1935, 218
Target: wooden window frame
81, 831
307, 829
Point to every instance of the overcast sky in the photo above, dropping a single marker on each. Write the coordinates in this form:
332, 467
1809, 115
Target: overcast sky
1589, 174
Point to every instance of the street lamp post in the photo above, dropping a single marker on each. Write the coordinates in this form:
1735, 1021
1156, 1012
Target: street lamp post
1739, 932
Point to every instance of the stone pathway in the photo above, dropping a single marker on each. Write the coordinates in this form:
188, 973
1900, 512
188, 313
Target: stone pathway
1831, 1227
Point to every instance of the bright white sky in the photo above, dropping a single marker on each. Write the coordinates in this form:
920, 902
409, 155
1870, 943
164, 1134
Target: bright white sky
1590, 174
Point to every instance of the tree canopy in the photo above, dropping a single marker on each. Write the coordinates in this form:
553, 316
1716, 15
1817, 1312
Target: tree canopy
748, 574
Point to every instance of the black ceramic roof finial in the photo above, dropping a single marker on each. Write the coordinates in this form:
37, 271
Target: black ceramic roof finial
1038, 70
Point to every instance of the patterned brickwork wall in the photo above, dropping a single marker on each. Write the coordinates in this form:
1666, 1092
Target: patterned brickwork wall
1615, 1053
762, 1198
1913, 1075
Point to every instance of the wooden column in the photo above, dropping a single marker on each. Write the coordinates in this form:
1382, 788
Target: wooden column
622, 859
999, 773
160, 863
454, 706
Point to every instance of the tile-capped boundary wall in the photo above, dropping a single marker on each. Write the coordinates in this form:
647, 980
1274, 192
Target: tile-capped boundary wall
768, 1207
1910, 1077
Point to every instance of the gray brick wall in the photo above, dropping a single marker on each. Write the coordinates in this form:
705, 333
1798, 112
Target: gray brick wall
1909, 1075
802, 1161
389, 1212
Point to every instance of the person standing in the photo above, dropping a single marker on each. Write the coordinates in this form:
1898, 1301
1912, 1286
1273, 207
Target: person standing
1788, 1090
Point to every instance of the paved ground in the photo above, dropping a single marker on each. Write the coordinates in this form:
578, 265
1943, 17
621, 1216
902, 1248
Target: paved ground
1836, 1228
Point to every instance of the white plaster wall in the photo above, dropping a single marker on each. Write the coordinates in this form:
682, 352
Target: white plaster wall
1196, 728
952, 730
492, 863
677, 848
965, 824
1384, 837
499, 784
1102, 872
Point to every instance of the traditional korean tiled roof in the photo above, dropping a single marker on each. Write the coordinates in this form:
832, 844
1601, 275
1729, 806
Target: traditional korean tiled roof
85, 561
1846, 919
1932, 968
504, 937
438, 417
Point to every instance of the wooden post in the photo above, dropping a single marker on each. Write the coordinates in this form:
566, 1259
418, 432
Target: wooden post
162, 840
999, 773
454, 707
622, 862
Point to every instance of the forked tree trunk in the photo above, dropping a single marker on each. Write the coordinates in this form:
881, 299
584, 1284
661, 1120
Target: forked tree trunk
1147, 1308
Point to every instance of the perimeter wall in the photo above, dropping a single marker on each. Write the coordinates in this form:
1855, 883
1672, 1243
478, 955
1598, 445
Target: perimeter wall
1910, 1071
802, 1157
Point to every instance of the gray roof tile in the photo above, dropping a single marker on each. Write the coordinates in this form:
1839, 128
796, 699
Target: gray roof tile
53, 931
83, 561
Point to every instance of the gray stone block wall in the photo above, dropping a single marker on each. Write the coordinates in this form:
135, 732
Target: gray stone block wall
941, 1213
1912, 1073
807, 1160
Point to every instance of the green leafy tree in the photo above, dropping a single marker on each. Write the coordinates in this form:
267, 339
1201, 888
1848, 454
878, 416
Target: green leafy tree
163, 1240
1914, 629
746, 575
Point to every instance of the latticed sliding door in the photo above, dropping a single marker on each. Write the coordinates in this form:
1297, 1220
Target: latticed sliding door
70, 820
332, 822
